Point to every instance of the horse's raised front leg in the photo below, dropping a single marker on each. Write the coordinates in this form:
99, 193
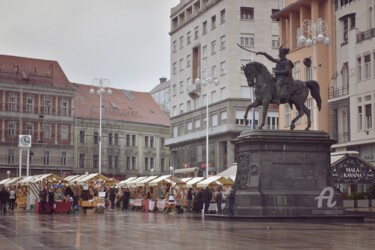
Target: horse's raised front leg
251, 105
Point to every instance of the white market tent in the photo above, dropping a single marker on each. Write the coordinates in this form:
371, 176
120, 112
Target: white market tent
124, 182
194, 181
186, 179
229, 172
167, 179
143, 182
133, 182
10, 181
214, 181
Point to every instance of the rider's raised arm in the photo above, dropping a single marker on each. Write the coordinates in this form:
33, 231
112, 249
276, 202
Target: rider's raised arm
268, 57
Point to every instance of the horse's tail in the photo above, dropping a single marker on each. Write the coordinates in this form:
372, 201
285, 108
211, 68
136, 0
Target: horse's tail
315, 92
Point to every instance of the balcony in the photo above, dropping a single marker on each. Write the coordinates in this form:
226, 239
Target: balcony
361, 36
194, 90
338, 92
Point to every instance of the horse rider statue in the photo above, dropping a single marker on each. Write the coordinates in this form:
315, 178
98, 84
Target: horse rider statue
283, 74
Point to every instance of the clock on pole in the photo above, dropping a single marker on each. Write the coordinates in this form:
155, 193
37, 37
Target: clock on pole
24, 141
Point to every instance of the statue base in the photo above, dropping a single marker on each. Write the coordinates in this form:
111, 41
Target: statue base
283, 173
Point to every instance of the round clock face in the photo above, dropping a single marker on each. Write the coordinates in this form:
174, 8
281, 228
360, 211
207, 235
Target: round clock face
25, 140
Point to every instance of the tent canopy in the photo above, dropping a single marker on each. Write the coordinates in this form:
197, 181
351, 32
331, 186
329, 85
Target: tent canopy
194, 181
230, 172
145, 181
96, 177
167, 179
122, 183
214, 181
133, 183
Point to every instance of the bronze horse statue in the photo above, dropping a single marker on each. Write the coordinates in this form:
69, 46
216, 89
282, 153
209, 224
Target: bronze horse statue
265, 90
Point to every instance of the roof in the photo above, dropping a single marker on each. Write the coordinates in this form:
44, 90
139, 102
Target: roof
121, 105
25, 70
160, 86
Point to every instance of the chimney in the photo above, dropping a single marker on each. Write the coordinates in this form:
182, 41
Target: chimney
162, 80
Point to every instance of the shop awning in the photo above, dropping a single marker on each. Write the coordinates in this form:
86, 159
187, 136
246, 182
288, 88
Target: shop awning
134, 182
186, 179
122, 183
194, 181
96, 177
145, 181
166, 179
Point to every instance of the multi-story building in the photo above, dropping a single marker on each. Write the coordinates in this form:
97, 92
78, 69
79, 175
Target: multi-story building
204, 36
134, 130
36, 99
323, 69
162, 95
352, 93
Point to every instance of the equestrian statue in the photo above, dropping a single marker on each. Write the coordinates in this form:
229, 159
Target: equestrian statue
279, 88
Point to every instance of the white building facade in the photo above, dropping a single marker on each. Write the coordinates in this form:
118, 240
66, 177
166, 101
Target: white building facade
204, 36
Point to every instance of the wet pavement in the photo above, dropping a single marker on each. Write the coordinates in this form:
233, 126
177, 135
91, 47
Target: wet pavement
116, 229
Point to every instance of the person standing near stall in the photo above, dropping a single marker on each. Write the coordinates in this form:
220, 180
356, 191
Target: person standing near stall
4, 197
189, 199
112, 196
51, 201
43, 199
125, 200
218, 199
12, 199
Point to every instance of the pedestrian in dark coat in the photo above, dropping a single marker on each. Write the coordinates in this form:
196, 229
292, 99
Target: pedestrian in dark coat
43, 199
51, 201
4, 198
207, 199
125, 200
112, 197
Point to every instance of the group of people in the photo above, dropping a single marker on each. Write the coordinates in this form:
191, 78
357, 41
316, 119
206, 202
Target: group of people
7, 199
47, 196
201, 199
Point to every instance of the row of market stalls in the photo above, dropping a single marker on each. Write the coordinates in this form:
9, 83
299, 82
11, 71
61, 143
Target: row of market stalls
146, 191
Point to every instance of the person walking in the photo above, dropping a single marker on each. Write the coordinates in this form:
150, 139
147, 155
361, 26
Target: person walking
12, 199
231, 201
4, 197
51, 201
218, 199
112, 196
189, 199
43, 200
126, 198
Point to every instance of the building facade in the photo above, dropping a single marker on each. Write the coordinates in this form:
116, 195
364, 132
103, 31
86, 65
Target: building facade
204, 36
352, 93
36, 99
162, 95
322, 56
134, 131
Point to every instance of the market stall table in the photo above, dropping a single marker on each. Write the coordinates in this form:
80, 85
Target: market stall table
61, 207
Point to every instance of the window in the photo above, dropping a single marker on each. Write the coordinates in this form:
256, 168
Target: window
274, 11
247, 13
188, 83
346, 27
196, 33
367, 67
128, 162
181, 42
174, 46
174, 110
359, 69
13, 102
204, 51
12, 128
64, 132
152, 144
222, 16
188, 61
368, 116
213, 71
47, 131
127, 140
359, 122
110, 138
95, 161
204, 99
181, 87
116, 139
174, 68
222, 42
82, 136
162, 164
175, 131
81, 160
213, 47
134, 140
222, 68
308, 73
146, 163
46, 158
110, 161
63, 158
188, 106
275, 42
197, 124
181, 64
64, 107
188, 38
162, 142
204, 32
174, 89
152, 163
223, 117
214, 120
10, 156
134, 162
189, 126
213, 22
181, 108
297, 70
48, 106
247, 39
146, 141
29, 128
29, 104
240, 117
116, 161
96, 137
223, 93
287, 115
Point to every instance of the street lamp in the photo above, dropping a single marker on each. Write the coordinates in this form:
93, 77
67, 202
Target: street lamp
152, 171
103, 87
8, 173
171, 196
316, 32
207, 81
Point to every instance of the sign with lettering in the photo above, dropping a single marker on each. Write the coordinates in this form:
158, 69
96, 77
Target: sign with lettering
352, 169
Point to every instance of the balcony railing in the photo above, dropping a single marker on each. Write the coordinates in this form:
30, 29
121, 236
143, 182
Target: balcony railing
338, 92
364, 35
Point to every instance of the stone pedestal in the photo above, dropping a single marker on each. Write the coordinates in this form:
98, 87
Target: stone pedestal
281, 172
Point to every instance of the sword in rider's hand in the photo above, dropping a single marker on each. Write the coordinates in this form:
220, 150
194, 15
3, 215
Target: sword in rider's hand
246, 49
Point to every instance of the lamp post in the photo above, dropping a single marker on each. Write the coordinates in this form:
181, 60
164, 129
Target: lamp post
207, 81
103, 87
316, 32
152, 171
171, 196
8, 173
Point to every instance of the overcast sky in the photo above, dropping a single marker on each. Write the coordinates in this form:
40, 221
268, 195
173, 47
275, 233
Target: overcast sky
126, 41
